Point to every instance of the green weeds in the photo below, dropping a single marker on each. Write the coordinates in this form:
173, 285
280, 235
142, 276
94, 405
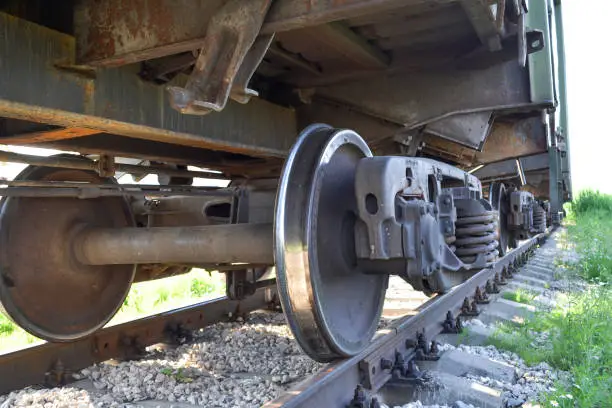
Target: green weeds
579, 331
178, 375
520, 296
579, 339
592, 234
6, 326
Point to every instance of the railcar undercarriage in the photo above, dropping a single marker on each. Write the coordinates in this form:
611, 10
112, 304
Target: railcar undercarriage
404, 110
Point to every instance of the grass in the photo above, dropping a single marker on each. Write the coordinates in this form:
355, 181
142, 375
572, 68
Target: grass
520, 296
144, 298
591, 230
157, 296
580, 329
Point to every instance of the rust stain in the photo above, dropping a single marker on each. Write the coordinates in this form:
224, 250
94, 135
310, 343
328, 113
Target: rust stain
512, 140
49, 136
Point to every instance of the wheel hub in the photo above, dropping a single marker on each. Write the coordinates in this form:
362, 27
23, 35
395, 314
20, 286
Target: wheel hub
332, 308
44, 288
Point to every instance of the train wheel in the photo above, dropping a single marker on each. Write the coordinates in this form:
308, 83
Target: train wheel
332, 308
43, 288
499, 201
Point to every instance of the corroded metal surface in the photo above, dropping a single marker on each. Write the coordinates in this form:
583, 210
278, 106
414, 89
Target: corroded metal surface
417, 99
49, 136
521, 138
230, 53
116, 102
43, 288
116, 32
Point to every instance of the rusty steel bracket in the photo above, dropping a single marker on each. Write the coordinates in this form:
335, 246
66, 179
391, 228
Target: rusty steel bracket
230, 54
105, 166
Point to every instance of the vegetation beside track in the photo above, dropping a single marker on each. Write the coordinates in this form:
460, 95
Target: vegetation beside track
144, 299
520, 296
576, 336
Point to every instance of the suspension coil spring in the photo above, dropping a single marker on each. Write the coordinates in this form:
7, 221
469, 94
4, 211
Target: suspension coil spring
476, 234
539, 218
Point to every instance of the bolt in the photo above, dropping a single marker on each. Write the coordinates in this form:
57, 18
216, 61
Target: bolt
359, 398
386, 364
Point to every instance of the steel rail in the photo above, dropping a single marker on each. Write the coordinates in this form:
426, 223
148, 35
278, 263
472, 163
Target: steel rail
334, 385
52, 364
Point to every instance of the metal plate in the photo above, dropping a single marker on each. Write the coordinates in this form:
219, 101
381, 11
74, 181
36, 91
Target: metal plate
499, 201
332, 308
42, 287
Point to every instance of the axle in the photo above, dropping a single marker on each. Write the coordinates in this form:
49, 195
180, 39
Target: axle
211, 244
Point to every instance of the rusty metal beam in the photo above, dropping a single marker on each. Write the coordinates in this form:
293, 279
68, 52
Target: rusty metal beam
288, 15
422, 97
507, 168
35, 89
513, 139
484, 22
345, 42
117, 32
48, 136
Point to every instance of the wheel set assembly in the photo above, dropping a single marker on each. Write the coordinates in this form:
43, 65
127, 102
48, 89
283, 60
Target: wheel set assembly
335, 226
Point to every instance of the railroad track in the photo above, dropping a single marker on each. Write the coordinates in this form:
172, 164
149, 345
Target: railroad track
332, 386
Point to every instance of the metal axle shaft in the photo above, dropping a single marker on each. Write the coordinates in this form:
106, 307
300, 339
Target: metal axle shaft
211, 244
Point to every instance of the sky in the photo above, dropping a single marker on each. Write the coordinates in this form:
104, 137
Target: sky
587, 27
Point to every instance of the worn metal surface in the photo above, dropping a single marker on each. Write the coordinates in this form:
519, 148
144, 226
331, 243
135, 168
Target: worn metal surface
39, 364
48, 136
507, 168
372, 129
471, 129
120, 146
518, 138
230, 51
116, 102
116, 32
43, 289
484, 21
333, 386
210, 244
507, 139
419, 98
288, 15
113, 32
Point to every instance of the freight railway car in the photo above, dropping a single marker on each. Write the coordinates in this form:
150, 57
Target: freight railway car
359, 139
